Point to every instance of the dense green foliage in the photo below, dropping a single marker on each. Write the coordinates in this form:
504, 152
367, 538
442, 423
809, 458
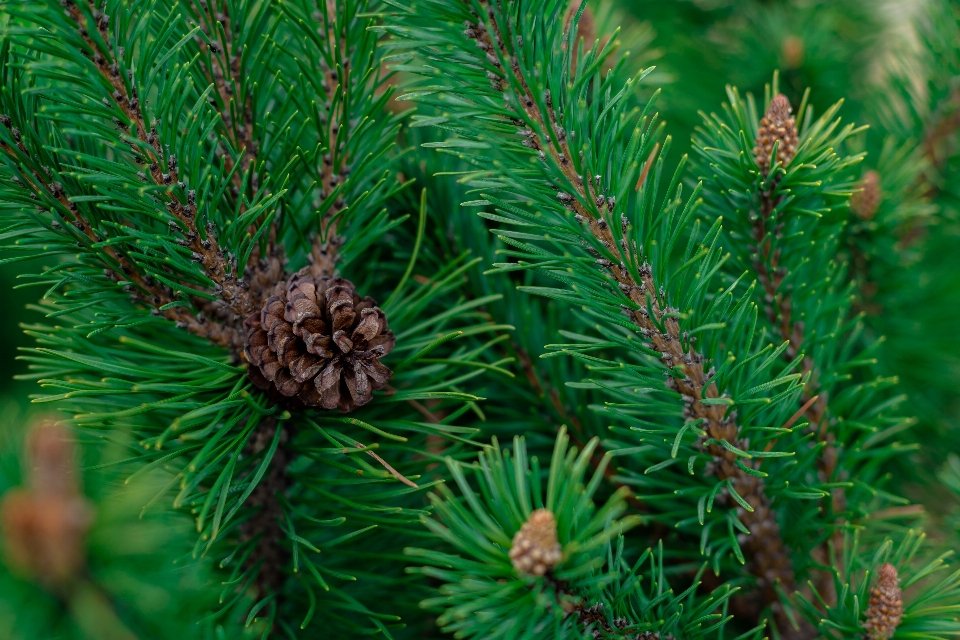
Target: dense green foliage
728, 370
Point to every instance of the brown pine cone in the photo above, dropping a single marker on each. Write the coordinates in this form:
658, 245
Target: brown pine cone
316, 342
777, 125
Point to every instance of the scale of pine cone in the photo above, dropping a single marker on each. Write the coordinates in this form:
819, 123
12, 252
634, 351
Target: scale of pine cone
317, 343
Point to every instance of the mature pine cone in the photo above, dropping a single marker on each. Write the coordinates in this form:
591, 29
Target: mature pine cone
316, 342
777, 125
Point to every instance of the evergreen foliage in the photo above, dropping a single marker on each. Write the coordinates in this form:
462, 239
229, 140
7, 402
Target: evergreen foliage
710, 438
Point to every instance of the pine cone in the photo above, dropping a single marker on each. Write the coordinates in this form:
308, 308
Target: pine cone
535, 549
886, 605
792, 51
865, 202
777, 125
317, 343
45, 524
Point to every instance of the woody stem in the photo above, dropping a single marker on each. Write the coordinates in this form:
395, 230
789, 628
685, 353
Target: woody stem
769, 559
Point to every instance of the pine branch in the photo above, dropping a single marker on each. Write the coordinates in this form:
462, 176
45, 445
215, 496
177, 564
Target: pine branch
336, 79
813, 402
345, 91
656, 321
542, 560
777, 137
149, 150
233, 63
264, 528
775, 204
788, 210
222, 69
119, 268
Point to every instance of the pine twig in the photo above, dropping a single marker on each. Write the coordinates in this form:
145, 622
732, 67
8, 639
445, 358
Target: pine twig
234, 103
118, 268
326, 247
769, 560
779, 310
224, 75
205, 250
778, 130
265, 525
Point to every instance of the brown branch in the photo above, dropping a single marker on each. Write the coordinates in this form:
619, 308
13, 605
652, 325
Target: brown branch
335, 162
162, 168
264, 527
769, 560
937, 135
237, 120
142, 289
779, 311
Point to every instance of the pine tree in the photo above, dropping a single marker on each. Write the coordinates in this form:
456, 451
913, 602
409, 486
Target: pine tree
311, 263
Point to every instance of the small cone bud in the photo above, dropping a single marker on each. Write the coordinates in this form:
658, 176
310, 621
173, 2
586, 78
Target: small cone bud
45, 524
793, 51
535, 549
776, 126
886, 605
865, 202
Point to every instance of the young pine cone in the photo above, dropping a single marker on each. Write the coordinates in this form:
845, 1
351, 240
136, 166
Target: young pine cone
865, 202
777, 125
45, 524
317, 342
886, 605
535, 549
